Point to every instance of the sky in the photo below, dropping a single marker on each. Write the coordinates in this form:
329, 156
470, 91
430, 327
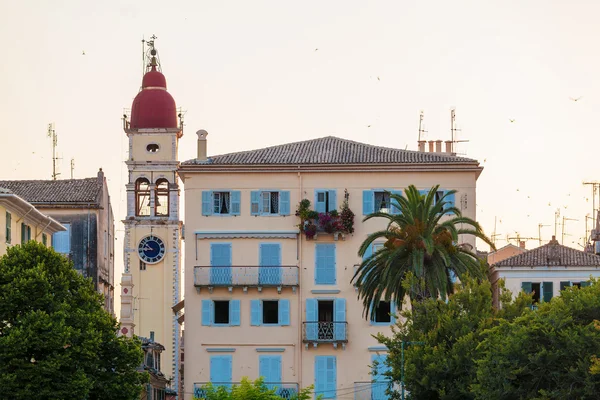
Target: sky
261, 73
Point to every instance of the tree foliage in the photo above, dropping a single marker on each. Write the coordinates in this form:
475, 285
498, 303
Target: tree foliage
418, 242
248, 390
56, 340
469, 350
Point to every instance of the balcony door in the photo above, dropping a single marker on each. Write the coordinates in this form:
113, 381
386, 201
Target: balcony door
269, 272
270, 369
220, 262
326, 320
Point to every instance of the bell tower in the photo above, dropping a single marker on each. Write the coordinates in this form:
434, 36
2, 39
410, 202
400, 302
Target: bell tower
151, 281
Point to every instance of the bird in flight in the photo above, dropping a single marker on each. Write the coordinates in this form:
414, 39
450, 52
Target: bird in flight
575, 98
378, 79
83, 53
511, 120
368, 126
316, 49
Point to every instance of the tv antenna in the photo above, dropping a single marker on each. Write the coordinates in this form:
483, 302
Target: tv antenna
72, 167
54, 137
540, 226
556, 217
564, 219
422, 131
453, 130
595, 187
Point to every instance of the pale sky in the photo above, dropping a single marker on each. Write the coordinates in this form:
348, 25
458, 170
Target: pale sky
249, 72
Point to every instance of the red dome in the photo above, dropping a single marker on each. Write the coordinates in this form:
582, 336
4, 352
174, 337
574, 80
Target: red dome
153, 107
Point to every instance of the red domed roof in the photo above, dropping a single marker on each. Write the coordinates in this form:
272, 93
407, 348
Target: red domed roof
153, 107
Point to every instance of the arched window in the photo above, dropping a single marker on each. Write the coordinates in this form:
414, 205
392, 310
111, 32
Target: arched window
161, 203
142, 197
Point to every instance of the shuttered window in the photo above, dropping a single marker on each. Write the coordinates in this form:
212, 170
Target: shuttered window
270, 312
269, 202
325, 264
8, 227
325, 377
61, 241
220, 370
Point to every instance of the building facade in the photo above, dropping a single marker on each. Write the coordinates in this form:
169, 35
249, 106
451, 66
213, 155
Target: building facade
546, 270
83, 207
150, 285
266, 299
21, 222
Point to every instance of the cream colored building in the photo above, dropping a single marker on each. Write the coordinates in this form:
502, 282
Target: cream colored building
546, 270
261, 297
150, 284
21, 222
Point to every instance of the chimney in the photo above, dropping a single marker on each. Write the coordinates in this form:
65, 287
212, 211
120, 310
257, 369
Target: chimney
448, 146
438, 146
522, 244
202, 134
422, 145
152, 336
100, 177
431, 143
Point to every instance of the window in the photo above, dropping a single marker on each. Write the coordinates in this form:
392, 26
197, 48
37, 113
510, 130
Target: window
152, 148
221, 202
382, 314
325, 264
220, 312
142, 197
161, 203
220, 370
270, 203
270, 312
438, 196
25, 233
325, 200
61, 241
382, 201
325, 320
325, 376
44, 239
541, 291
142, 266
8, 227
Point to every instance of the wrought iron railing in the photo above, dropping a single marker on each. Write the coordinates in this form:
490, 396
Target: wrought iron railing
371, 390
282, 389
325, 331
246, 276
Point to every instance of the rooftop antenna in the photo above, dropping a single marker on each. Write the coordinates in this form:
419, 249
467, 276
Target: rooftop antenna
562, 241
453, 130
421, 129
540, 226
519, 239
72, 167
595, 187
54, 137
556, 217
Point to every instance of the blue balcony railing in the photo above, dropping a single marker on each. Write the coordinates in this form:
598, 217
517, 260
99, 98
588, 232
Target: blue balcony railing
282, 389
371, 390
246, 276
325, 332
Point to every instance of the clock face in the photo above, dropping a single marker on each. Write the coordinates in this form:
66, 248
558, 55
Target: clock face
151, 249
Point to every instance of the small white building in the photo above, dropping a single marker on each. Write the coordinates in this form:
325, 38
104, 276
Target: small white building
547, 270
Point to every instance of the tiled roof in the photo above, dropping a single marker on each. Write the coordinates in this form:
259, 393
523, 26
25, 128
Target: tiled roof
5, 191
551, 254
56, 192
330, 150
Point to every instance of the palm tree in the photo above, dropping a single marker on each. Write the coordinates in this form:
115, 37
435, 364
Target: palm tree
419, 246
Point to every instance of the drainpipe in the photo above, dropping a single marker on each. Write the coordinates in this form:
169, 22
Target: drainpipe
298, 347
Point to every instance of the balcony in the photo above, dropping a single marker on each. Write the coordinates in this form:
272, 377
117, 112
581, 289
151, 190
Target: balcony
325, 332
245, 277
371, 390
283, 390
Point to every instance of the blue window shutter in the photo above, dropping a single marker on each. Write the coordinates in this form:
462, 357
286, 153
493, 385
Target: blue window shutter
255, 202
207, 202
270, 370
269, 260
284, 312
325, 264
339, 319
236, 196
234, 312
368, 202
61, 241
319, 205
207, 312
526, 287
564, 285
368, 252
319, 264
393, 312
548, 291
332, 200
325, 377
449, 200
220, 256
284, 202
255, 312
394, 209
220, 369
311, 319
379, 388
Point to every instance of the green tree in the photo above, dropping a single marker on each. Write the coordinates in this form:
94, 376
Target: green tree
248, 390
56, 340
546, 354
419, 243
440, 362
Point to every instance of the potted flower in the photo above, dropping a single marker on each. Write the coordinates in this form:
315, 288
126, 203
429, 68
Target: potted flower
310, 230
